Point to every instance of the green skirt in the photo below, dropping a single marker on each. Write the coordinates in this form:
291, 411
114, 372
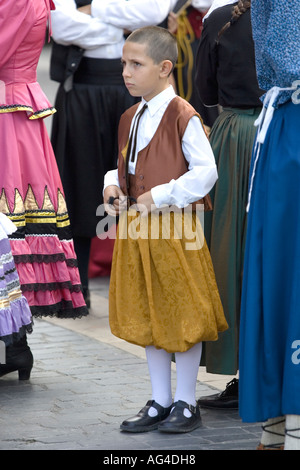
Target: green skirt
231, 138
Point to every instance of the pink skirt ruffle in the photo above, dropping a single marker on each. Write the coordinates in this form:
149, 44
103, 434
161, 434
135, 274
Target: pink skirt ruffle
48, 275
28, 97
31, 195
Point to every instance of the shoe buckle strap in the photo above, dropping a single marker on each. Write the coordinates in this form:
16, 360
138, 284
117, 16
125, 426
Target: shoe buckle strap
192, 409
157, 406
183, 404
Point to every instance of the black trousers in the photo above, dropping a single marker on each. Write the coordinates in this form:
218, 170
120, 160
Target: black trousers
85, 137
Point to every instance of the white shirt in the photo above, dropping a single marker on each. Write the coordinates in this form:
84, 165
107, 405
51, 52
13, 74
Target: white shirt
202, 171
102, 35
218, 4
201, 5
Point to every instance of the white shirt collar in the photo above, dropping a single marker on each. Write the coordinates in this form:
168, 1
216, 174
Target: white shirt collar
159, 100
218, 4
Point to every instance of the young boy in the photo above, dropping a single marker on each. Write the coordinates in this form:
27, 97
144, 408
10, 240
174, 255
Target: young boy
163, 295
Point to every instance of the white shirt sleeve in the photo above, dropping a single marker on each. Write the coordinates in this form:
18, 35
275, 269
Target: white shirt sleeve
202, 5
69, 26
201, 175
111, 178
132, 14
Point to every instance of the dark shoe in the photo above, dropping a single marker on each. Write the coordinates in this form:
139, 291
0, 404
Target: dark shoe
142, 422
86, 296
18, 357
176, 422
228, 399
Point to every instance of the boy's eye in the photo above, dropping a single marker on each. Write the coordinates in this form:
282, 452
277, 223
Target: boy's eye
134, 64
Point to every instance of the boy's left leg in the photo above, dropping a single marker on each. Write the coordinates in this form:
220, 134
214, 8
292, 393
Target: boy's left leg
159, 365
185, 414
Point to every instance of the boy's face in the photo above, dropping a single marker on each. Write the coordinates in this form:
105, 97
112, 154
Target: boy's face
141, 75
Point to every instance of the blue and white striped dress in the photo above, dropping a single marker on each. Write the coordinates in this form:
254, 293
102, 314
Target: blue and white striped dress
270, 314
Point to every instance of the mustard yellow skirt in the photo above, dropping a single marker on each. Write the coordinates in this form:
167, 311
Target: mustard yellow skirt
163, 290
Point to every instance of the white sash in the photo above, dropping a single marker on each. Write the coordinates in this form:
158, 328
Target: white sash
262, 122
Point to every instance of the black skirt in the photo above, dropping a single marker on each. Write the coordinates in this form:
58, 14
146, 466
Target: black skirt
85, 137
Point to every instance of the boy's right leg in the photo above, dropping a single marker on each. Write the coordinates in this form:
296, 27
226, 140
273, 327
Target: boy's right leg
159, 365
157, 409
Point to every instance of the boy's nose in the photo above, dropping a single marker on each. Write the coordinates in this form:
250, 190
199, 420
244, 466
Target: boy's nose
125, 72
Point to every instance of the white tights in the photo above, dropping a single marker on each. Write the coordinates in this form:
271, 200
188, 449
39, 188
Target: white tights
187, 366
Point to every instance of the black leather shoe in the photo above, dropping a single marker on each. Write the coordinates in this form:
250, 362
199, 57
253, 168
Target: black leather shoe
18, 358
142, 422
228, 399
176, 422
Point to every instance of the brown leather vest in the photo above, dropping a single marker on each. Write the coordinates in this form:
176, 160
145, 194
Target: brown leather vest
162, 159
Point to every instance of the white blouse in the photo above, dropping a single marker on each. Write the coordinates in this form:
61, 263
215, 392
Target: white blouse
102, 33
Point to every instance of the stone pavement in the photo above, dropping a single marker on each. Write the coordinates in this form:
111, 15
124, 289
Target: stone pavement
85, 382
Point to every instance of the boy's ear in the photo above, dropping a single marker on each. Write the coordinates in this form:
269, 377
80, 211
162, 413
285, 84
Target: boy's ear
166, 68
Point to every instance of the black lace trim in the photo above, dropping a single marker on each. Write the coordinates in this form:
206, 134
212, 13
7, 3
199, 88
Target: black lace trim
15, 337
44, 110
28, 108
50, 286
54, 258
63, 309
42, 229
14, 106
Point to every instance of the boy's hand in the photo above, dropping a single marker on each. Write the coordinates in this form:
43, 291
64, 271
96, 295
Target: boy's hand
115, 201
172, 22
145, 203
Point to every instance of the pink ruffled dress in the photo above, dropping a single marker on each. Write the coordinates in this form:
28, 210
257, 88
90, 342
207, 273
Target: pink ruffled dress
31, 192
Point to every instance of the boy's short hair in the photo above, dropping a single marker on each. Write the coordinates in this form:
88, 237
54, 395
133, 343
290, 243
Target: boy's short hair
161, 44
